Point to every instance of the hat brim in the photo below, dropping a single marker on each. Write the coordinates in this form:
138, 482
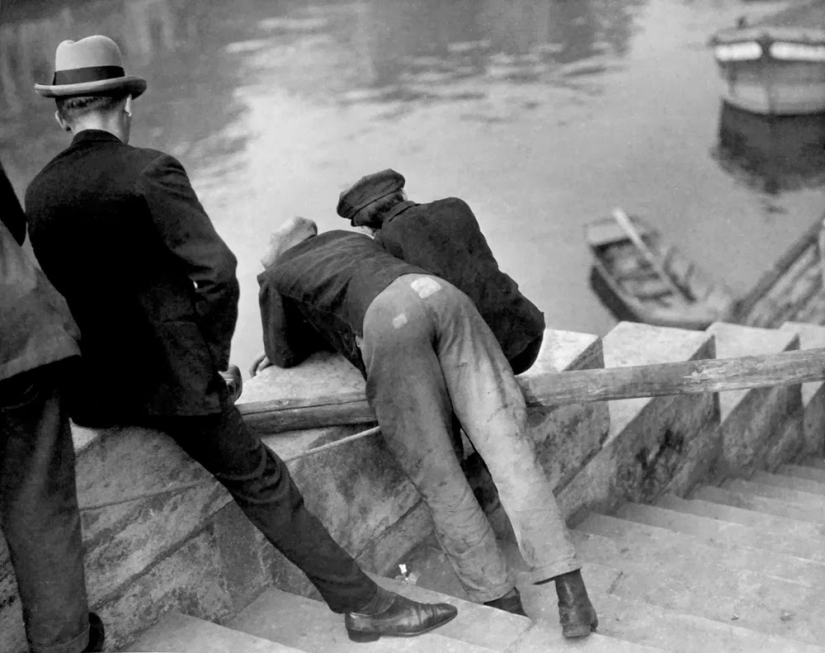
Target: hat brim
135, 86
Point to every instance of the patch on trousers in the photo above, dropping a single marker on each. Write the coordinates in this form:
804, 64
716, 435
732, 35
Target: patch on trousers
425, 286
399, 320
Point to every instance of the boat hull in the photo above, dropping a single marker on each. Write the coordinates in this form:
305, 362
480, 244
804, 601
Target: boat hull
777, 88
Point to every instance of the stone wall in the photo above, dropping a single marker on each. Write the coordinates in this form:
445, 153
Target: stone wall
193, 551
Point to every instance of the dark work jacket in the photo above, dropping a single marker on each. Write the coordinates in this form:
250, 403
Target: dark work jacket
121, 233
444, 238
36, 327
316, 294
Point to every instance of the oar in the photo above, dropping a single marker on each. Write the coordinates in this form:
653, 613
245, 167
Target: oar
627, 226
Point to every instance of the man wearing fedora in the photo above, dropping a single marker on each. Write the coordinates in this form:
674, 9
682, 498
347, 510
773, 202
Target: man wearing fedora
38, 498
152, 286
427, 355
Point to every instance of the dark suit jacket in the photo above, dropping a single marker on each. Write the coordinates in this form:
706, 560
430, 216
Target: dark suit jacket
121, 233
316, 295
444, 238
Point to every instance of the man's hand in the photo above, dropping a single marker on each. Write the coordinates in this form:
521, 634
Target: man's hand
234, 382
259, 365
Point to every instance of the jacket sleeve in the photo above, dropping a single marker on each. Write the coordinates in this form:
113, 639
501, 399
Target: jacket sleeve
289, 338
11, 213
189, 235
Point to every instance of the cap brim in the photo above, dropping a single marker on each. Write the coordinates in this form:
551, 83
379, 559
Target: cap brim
135, 86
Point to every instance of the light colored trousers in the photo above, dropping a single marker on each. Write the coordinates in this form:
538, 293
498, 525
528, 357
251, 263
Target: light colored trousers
428, 353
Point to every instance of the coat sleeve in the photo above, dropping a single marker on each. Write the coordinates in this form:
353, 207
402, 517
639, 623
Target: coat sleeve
288, 337
11, 212
189, 235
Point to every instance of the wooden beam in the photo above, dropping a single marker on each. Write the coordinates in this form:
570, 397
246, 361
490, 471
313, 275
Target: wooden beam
574, 387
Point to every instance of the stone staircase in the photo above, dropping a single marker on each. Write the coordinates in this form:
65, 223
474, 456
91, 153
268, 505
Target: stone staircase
672, 564
687, 575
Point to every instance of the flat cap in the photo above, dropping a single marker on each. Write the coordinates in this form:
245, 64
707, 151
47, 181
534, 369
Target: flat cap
367, 190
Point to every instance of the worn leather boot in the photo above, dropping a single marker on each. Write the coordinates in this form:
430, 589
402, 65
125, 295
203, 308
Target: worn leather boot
576, 613
510, 602
97, 634
393, 615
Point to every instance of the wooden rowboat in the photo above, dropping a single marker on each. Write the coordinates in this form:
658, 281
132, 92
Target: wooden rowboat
641, 278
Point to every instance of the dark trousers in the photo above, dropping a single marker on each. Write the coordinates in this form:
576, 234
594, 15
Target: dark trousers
38, 510
261, 485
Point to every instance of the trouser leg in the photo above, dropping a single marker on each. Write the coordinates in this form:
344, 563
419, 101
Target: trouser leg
406, 388
263, 488
490, 406
38, 511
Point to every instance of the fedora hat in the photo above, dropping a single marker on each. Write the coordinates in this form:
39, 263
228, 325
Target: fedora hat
90, 66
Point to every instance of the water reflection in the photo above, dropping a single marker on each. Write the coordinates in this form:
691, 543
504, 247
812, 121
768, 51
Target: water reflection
771, 153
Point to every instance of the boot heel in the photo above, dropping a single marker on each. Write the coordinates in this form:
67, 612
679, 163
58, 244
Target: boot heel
362, 637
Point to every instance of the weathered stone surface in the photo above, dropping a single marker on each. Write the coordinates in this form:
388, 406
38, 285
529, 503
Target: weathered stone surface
811, 336
776, 532
802, 471
761, 428
709, 589
654, 445
189, 635
645, 534
799, 498
790, 482
644, 623
309, 625
738, 495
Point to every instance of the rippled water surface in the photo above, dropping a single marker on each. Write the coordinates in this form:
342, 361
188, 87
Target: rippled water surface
541, 114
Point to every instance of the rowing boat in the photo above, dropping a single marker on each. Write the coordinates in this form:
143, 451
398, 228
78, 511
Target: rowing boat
641, 278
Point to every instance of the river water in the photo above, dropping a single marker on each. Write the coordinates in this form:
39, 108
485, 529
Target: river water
541, 114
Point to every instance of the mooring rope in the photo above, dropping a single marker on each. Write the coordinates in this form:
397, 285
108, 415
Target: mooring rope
193, 484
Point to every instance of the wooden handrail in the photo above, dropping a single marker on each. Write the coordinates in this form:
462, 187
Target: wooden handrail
573, 387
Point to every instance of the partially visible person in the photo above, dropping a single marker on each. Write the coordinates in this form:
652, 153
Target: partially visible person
152, 285
427, 355
38, 499
444, 238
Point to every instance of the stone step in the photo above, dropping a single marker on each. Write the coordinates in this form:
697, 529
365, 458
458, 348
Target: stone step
183, 634
310, 625
779, 531
745, 598
748, 500
642, 542
785, 541
806, 500
649, 624
757, 430
814, 461
802, 471
789, 482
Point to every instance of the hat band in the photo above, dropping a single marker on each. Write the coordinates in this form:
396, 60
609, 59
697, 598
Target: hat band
85, 75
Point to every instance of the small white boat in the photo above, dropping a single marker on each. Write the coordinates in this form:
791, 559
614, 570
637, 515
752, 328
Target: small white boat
776, 66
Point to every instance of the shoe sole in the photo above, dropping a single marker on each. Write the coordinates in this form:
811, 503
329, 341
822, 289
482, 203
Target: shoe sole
363, 637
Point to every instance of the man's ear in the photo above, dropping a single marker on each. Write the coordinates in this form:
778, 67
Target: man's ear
63, 124
127, 109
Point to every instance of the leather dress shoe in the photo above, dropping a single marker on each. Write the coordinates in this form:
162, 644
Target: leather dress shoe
510, 602
97, 635
397, 616
576, 614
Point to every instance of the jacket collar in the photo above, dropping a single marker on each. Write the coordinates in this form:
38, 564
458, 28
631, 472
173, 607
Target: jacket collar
94, 136
398, 209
